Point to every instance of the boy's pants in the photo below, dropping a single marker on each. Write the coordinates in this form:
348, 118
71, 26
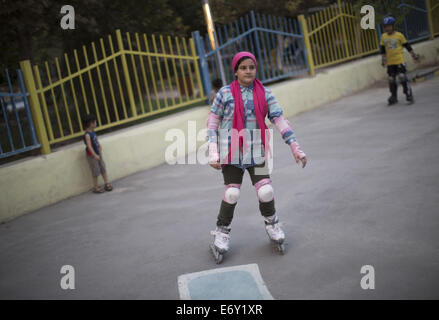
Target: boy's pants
394, 71
234, 174
97, 167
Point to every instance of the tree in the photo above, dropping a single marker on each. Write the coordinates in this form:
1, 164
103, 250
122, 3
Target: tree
22, 22
30, 29
225, 11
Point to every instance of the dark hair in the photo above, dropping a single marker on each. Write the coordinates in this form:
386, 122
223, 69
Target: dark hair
217, 83
89, 119
241, 60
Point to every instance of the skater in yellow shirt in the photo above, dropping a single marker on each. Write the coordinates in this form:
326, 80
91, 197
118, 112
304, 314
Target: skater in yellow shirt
392, 55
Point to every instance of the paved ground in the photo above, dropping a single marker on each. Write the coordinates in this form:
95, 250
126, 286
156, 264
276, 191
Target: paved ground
369, 196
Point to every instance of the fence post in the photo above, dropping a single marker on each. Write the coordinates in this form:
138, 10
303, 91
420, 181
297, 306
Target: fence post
196, 65
430, 18
378, 33
37, 115
202, 63
308, 51
343, 29
126, 73
258, 49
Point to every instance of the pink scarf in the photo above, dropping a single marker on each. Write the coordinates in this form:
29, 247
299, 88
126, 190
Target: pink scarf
260, 105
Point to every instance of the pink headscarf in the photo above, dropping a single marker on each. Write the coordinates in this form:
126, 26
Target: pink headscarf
260, 105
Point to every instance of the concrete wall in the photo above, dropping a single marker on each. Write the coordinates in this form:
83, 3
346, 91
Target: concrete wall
29, 184
32, 183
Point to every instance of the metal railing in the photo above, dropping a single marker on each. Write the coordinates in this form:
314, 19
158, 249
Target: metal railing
277, 43
17, 133
415, 26
433, 17
335, 35
285, 47
137, 79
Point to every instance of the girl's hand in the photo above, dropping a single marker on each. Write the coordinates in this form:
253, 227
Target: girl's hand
214, 159
296, 157
215, 165
383, 61
97, 157
415, 57
298, 154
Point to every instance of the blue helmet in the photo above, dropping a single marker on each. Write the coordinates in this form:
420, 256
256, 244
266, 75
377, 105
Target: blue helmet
388, 20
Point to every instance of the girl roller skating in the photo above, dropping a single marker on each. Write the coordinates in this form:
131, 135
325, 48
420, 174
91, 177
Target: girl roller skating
238, 140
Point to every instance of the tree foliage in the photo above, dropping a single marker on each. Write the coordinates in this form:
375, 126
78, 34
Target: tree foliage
30, 29
225, 11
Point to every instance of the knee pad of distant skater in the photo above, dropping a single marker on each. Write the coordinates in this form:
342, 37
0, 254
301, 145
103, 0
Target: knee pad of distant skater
402, 77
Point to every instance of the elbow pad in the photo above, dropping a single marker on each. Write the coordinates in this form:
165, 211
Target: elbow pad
212, 121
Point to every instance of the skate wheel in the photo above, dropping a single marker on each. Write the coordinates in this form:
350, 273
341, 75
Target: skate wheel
278, 247
216, 255
281, 249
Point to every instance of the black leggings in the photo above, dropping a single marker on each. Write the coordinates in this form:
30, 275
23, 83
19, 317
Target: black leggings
234, 174
394, 71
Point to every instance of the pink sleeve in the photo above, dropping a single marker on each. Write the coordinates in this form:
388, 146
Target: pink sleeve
212, 121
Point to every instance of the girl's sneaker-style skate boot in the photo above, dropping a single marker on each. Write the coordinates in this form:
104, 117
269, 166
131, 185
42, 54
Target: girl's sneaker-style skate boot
275, 233
221, 243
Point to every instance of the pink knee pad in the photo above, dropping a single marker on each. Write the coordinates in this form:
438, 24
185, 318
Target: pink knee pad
231, 193
264, 190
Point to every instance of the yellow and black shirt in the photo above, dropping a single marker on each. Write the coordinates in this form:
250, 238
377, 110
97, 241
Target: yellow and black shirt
393, 44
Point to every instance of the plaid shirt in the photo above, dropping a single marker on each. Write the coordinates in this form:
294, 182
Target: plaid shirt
223, 106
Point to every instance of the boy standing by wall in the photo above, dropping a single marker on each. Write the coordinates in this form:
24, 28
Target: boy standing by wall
94, 154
